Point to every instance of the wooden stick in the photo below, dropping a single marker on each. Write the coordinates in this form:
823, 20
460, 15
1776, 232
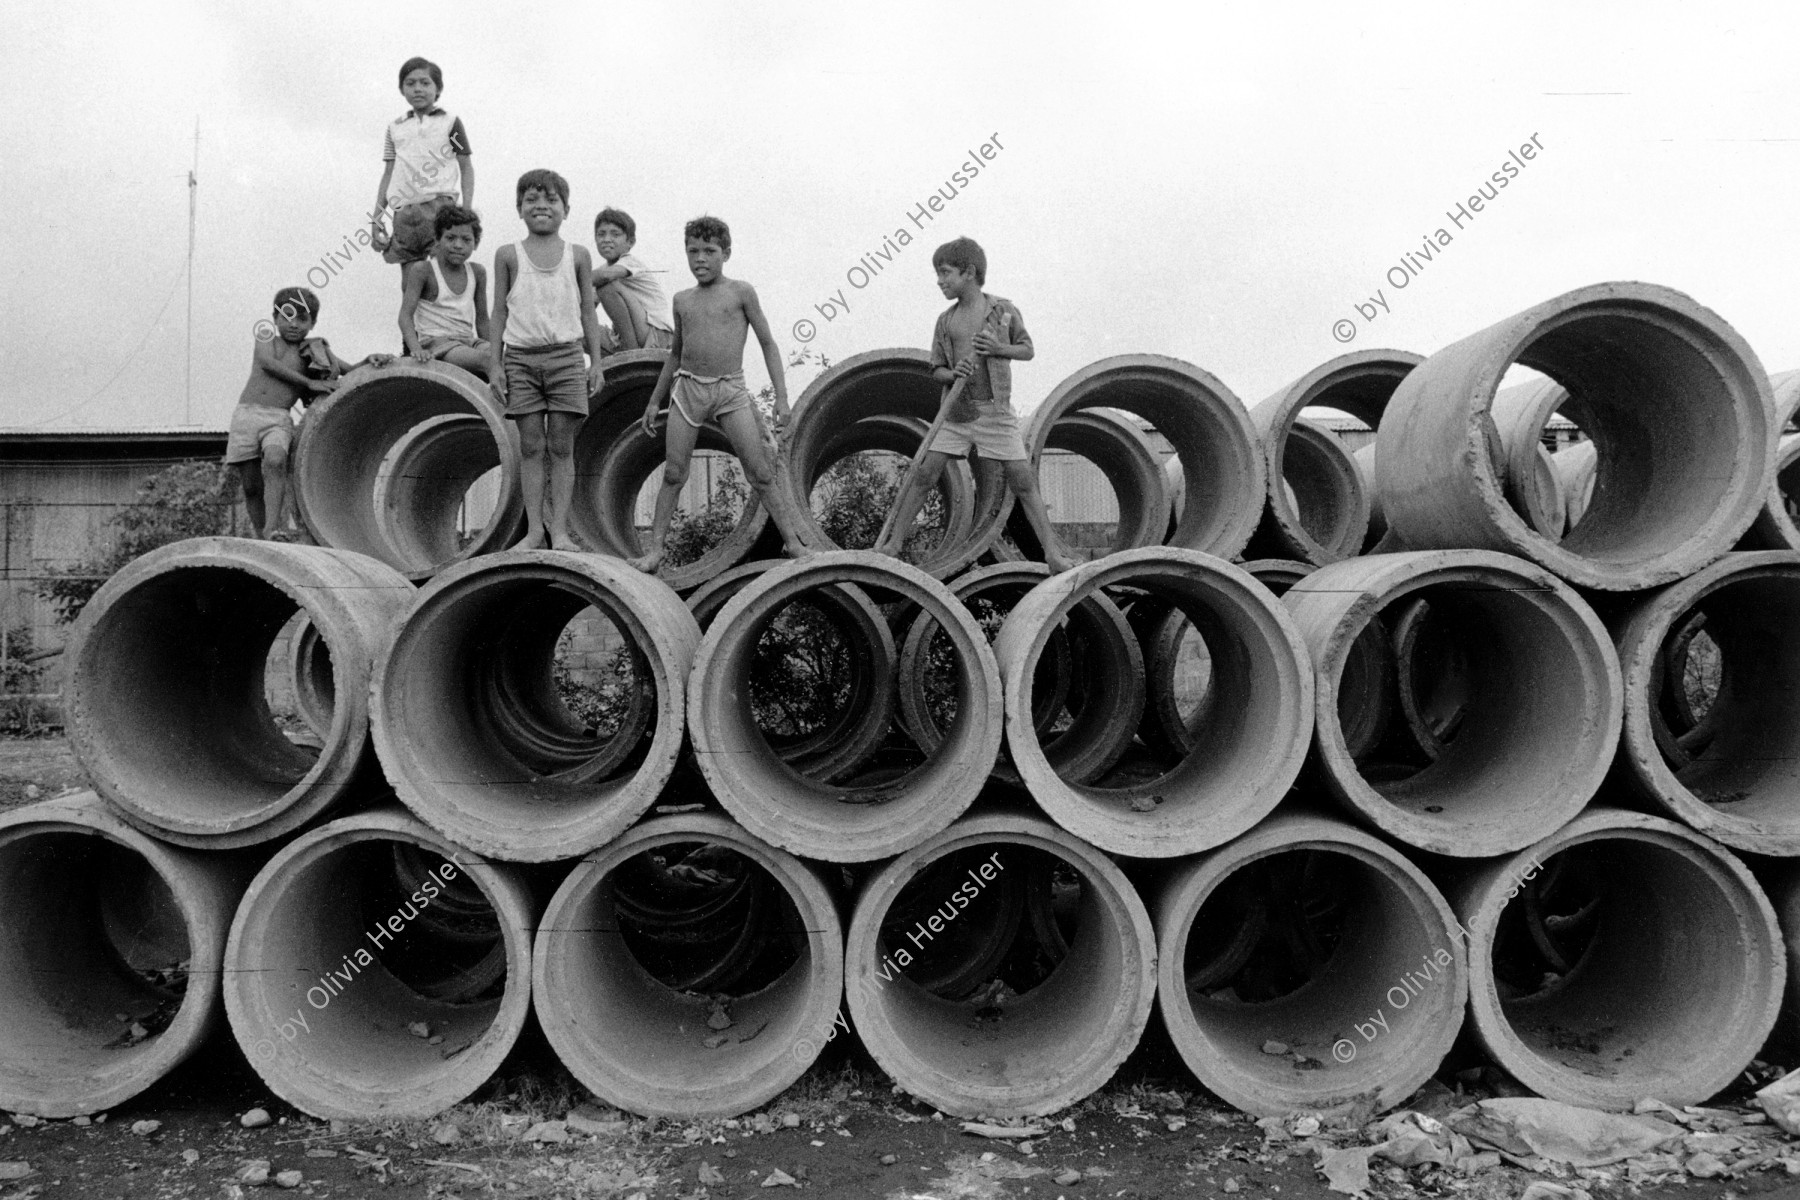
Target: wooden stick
956, 390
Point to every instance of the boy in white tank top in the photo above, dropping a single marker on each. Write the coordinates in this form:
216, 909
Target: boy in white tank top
443, 299
544, 312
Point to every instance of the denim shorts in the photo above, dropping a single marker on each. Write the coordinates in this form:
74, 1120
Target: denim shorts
546, 379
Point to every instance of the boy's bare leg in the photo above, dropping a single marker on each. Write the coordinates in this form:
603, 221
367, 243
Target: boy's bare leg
626, 315
746, 433
250, 475
559, 436
531, 480
475, 362
1024, 484
678, 448
275, 486
913, 489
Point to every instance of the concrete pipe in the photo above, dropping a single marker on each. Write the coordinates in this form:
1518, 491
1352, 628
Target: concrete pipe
1221, 463
377, 472
1255, 738
1045, 1031
899, 435
469, 723
1115, 445
1529, 478
1738, 787
1575, 470
333, 969
1094, 671
1541, 722
884, 384
1314, 935
1638, 960
614, 459
1674, 399
1365, 463
1325, 516
110, 952
867, 817
1774, 528
610, 997
310, 676
166, 708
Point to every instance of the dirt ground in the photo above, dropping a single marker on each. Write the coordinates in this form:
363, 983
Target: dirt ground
842, 1131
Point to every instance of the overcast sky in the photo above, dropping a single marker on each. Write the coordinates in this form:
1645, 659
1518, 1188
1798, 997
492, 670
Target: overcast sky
1219, 183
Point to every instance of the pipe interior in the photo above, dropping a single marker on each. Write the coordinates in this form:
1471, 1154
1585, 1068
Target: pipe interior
697, 950
179, 715
1324, 486
423, 490
1307, 948
1621, 960
1136, 489
1663, 406
94, 955
393, 958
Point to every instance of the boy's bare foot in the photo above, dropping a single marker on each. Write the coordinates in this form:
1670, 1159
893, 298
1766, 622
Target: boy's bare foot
799, 549
1058, 563
561, 539
536, 539
884, 548
647, 563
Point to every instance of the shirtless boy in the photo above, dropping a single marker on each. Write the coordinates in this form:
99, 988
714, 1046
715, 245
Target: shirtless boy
286, 366
704, 381
443, 298
977, 338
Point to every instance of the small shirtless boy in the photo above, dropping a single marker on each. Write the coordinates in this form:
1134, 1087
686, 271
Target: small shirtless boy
544, 311
286, 366
704, 381
628, 291
977, 338
443, 298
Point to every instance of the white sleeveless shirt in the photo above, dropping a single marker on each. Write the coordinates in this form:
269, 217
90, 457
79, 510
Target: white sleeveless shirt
543, 307
450, 315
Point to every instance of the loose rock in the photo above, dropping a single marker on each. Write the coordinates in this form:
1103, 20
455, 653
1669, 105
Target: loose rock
256, 1118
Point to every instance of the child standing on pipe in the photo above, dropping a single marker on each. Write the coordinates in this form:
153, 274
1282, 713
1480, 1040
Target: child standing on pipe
428, 149
544, 310
981, 335
704, 381
286, 366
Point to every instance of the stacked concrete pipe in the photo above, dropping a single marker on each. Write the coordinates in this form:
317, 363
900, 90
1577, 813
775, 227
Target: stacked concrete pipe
1222, 465
1118, 448
1668, 969
1677, 405
900, 435
111, 946
383, 464
613, 460
997, 1054
1373, 1014
1737, 788
470, 730
1545, 702
1774, 527
679, 1059
325, 973
165, 690
1254, 744
859, 820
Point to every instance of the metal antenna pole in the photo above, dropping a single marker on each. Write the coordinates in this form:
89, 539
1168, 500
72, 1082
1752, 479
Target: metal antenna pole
187, 409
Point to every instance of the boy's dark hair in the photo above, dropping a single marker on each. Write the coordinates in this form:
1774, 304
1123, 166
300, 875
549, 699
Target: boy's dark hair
619, 217
545, 180
451, 216
964, 255
292, 301
709, 229
414, 63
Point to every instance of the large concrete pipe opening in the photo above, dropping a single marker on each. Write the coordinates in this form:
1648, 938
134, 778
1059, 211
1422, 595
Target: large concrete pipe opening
1318, 503
1138, 511
1677, 405
309, 675
1774, 527
493, 736
1003, 968
1254, 738
688, 970
167, 709
1712, 719
1088, 688
886, 384
376, 970
385, 466
1315, 936
857, 476
736, 714
618, 470
1222, 466
1623, 957
110, 949
1539, 689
